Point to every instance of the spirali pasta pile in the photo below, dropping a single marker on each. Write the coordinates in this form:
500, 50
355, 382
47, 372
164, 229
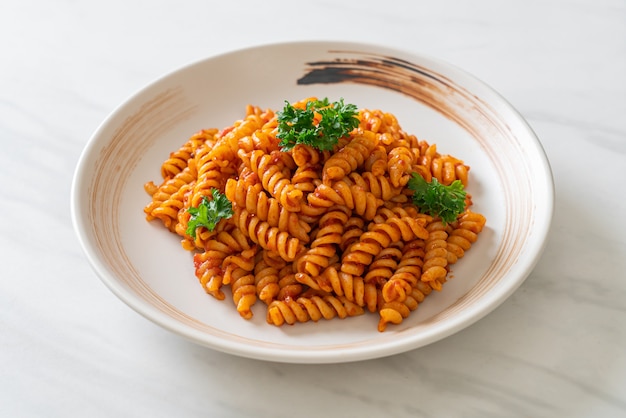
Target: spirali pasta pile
315, 234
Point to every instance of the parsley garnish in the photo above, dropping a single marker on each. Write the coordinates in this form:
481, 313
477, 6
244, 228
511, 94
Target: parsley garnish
436, 199
209, 213
297, 126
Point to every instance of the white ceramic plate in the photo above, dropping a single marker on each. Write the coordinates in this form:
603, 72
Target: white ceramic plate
145, 266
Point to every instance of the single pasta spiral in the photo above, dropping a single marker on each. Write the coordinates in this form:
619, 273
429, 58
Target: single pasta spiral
407, 273
304, 154
331, 226
376, 163
464, 233
306, 178
314, 308
238, 272
348, 158
400, 163
266, 271
434, 270
352, 232
384, 265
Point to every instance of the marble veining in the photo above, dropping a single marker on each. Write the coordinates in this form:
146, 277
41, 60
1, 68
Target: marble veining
69, 347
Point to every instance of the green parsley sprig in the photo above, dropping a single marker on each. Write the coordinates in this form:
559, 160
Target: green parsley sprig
297, 126
436, 199
209, 213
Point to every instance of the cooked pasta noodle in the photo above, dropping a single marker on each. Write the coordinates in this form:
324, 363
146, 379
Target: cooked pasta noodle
314, 308
315, 234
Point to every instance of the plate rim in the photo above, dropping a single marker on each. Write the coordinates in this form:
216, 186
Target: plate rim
471, 315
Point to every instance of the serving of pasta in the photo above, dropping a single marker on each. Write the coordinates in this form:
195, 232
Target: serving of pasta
314, 233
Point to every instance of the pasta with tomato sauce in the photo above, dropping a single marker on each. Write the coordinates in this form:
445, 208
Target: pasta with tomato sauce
315, 233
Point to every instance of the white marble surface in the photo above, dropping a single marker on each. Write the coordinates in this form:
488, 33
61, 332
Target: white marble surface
68, 347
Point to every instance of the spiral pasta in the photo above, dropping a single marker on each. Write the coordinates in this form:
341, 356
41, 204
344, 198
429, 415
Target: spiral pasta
180, 158
209, 264
378, 185
311, 309
271, 170
434, 270
168, 200
464, 233
396, 311
379, 236
350, 157
314, 234
407, 272
257, 202
316, 258
268, 237
266, 276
